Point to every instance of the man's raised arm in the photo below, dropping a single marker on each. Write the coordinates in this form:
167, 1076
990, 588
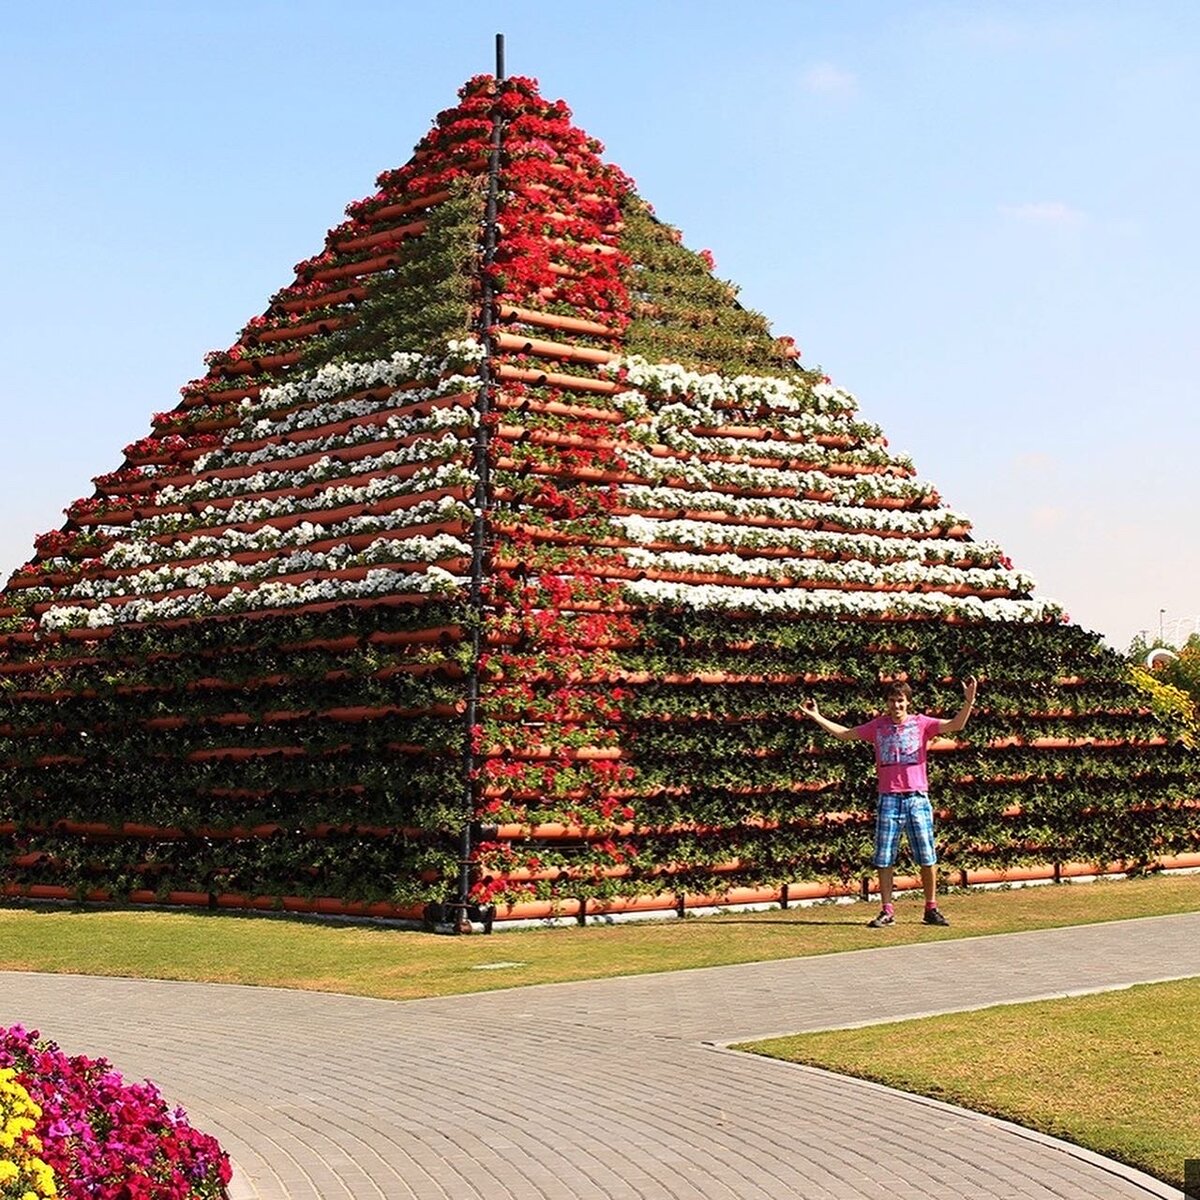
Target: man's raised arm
960, 718
843, 733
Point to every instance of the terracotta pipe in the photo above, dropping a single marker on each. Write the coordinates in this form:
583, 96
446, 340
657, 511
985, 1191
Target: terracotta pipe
382, 237
532, 316
555, 350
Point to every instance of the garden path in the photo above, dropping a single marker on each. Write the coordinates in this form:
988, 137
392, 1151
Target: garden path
619, 1089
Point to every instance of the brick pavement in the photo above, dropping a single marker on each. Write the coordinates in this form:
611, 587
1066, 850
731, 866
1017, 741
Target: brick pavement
618, 1089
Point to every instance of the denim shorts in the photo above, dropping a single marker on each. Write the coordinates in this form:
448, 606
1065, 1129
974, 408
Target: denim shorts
909, 813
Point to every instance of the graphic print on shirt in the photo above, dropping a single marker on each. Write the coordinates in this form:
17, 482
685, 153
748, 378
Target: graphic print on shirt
899, 745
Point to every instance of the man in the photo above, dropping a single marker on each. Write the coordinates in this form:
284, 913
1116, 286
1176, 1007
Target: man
901, 740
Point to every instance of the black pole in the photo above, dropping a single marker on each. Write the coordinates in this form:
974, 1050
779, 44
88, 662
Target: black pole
479, 528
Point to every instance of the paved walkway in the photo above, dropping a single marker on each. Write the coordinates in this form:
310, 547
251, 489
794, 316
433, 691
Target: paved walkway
620, 1089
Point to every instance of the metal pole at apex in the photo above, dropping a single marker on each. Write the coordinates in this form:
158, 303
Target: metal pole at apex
499, 56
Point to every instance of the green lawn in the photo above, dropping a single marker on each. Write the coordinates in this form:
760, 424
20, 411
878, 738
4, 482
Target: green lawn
1114, 1072
399, 964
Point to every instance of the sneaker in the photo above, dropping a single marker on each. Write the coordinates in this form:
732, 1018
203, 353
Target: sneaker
884, 918
933, 916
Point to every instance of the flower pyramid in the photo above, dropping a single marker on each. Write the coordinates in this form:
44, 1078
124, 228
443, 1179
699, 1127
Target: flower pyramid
489, 567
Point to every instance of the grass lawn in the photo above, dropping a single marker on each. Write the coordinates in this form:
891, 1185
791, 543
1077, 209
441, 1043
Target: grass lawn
1114, 1072
401, 965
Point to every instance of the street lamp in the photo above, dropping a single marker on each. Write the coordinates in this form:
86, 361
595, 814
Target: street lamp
1162, 612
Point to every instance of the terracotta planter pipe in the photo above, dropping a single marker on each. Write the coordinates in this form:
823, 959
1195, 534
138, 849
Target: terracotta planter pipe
319, 516
532, 316
661, 902
552, 832
767, 581
1180, 862
553, 350
539, 910
419, 408
519, 433
288, 333
350, 295
395, 600
618, 871
347, 455
1071, 870
221, 396
820, 891
249, 557
391, 211
327, 905
220, 590
309, 491
264, 362
742, 895
356, 270
554, 408
542, 753
546, 534
623, 904
598, 248
720, 518
385, 237
978, 875
571, 383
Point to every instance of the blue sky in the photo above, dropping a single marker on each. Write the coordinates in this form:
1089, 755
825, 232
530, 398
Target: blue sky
980, 217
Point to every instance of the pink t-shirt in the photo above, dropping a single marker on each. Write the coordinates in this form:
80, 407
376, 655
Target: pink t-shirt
900, 750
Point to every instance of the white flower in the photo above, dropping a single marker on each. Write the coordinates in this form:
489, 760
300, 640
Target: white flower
652, 498
835, 602
666, 381
272, 594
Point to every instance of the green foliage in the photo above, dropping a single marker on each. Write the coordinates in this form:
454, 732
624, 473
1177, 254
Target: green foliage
427, 298
727, 771
682, 313
348, 864
252, 739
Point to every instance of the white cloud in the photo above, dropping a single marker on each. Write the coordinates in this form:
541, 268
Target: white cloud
828, 80
1043, 212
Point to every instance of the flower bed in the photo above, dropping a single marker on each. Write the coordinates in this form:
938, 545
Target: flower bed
74, 1128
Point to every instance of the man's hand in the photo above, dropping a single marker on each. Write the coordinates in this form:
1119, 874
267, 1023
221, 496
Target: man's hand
963, 715
843, 733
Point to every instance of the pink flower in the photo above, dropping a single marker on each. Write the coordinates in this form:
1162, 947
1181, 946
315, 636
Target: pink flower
109, 1139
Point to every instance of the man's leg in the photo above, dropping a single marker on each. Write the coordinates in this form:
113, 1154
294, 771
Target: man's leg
920, 841
887, 836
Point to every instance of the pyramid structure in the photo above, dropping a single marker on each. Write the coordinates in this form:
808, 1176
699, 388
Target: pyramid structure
486, 573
